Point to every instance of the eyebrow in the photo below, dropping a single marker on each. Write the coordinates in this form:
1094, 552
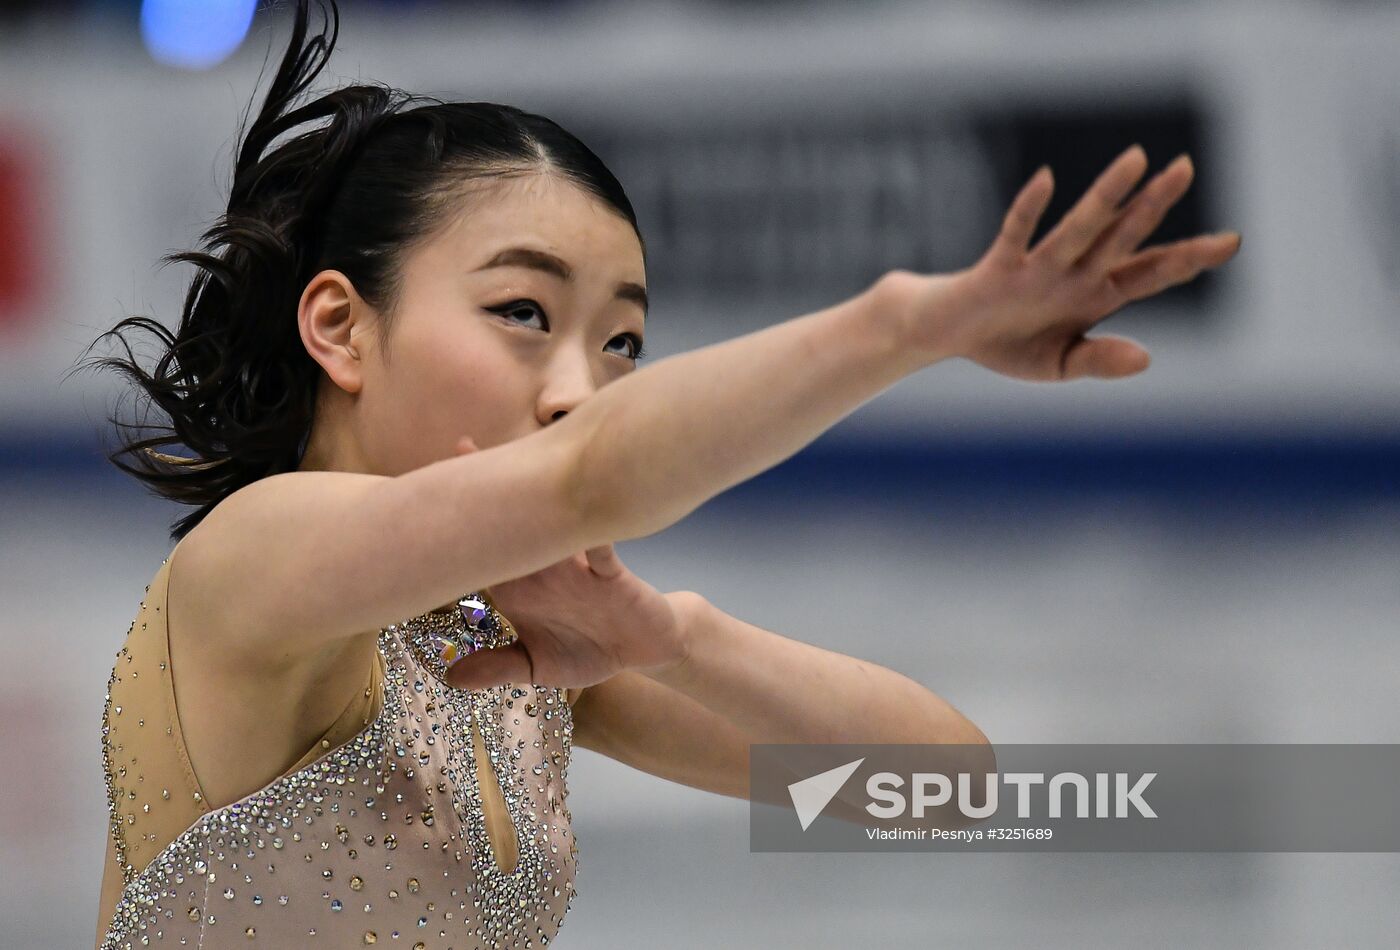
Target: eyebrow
549, 264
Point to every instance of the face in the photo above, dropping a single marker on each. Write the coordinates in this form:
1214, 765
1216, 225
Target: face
489, 339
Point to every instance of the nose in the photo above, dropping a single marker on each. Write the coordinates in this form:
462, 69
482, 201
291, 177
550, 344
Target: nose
568, 382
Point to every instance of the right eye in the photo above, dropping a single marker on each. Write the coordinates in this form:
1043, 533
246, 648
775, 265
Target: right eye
510, 311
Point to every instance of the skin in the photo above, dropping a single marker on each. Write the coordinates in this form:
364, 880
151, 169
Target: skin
470, 379
665, 682
455, 369
675, 686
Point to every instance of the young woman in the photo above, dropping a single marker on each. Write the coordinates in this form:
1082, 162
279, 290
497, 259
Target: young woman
407, 371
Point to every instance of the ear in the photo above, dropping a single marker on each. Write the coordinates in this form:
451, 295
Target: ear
334, 322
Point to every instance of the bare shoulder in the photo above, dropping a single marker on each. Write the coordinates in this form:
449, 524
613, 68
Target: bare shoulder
230, 563
287, 566
249, 702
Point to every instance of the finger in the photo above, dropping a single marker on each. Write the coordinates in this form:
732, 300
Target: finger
493, 666
603, 561
1104, 357
465, 445
1095, 211
1166, 265
1142, 216
1024, 214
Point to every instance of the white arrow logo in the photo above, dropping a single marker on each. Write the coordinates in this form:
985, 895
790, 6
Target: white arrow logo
811, 795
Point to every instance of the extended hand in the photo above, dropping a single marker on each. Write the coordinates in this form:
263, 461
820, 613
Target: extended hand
579, 621
1024, 312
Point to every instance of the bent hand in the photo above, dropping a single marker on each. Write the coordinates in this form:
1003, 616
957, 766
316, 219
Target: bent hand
579, 621
1024, 312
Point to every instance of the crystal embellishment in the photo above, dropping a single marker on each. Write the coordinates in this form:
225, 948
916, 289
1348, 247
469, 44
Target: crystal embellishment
445, 635
316, 834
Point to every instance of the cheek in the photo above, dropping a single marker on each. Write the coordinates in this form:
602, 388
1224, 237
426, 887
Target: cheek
461, 378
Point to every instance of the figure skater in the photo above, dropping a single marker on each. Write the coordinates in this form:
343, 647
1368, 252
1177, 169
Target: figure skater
407, 371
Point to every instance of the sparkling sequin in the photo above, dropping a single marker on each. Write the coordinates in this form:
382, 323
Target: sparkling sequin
413, 769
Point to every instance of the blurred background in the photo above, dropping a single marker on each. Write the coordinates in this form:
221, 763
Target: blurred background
1205, 553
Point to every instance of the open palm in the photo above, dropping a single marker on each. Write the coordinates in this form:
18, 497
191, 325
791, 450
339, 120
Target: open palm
1024, 311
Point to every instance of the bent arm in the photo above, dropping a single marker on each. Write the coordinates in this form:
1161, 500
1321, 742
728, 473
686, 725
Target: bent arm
740, 685
780, 690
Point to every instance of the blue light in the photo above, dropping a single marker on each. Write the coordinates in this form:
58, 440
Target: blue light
195, 34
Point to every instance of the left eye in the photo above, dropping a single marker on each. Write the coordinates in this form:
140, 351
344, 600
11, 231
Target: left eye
636, 350
520, 306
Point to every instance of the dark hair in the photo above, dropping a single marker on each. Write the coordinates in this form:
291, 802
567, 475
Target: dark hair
353, 194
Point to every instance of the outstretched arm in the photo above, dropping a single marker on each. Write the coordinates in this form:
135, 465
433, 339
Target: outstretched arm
675, 687
1021, 311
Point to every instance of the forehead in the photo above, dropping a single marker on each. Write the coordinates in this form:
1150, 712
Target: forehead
547, 212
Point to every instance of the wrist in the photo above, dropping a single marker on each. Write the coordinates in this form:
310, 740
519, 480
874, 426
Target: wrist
916, 313
689, 608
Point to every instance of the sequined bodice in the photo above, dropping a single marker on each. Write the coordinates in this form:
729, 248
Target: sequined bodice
382, 838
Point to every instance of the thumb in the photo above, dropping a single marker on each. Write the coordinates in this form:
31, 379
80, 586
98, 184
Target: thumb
493, 666
1105, 357
464, 446
603, 560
